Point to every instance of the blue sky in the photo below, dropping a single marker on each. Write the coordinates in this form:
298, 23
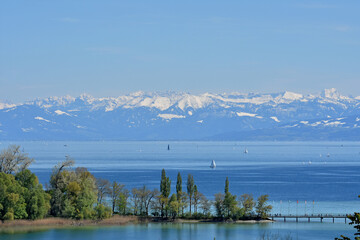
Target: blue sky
108, 48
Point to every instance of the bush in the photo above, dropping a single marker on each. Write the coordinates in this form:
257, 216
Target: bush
9, 216
102, 212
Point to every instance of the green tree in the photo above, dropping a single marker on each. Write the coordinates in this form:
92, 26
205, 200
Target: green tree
74, 193
12, 202
36, 199
247, 203
116, 190
190, 186
122, 202
226, 185
87, 197
173, 206
102, 212
219, 205
229, 200
355, 220
262, 208
178, 189
165, 184
59, 180
183, 202
165, 187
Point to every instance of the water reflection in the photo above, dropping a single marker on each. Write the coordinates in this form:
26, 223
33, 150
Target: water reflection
186, 231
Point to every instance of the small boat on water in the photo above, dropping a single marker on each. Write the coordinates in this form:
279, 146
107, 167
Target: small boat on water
168, 147
328, 155
246, 151
213, 164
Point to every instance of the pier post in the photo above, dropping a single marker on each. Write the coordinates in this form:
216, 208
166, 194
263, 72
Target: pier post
284, 219
321, 219
345, 220
333, 219
308, 219
297, 219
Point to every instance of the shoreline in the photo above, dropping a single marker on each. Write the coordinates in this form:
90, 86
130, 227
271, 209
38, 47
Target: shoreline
55, 223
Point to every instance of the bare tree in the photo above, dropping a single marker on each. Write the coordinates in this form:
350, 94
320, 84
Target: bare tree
183, 202
13, 160
205, 205
196, 198
104, 189
56, 173
156, 205
146, 197
136, 201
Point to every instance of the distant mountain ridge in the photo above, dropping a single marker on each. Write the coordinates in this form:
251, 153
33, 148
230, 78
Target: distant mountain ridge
183, 116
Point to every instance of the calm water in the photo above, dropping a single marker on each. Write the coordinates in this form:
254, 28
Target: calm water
159, 231
288, 172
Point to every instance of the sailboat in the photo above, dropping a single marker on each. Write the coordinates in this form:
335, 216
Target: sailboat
213, 164
168, 146
246, 151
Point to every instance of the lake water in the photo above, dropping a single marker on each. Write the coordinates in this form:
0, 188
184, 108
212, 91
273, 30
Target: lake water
324, 174
158, 231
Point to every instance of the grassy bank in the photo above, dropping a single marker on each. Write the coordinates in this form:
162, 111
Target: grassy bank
115, 220
49, 223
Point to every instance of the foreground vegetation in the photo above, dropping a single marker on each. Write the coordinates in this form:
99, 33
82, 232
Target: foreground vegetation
77, 194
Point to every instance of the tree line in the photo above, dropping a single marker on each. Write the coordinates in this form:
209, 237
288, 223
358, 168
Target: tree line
77, 194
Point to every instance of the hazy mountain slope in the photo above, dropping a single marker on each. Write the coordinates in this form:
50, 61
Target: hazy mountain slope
182, 116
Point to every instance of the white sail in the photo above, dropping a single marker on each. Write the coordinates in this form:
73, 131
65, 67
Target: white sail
246, 151
213, 164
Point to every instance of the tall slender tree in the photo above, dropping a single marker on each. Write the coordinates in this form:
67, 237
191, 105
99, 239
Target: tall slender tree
229, 199
196, 197
226, 185
165, 186
178, 186
190, 189
179, 190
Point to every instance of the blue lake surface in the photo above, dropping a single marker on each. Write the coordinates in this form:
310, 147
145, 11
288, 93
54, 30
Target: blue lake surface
324, 174
158, 231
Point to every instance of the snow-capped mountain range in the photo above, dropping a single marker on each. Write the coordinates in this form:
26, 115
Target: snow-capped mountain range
183, 116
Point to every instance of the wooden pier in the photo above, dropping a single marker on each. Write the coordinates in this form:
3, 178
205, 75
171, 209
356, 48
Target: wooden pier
321, 217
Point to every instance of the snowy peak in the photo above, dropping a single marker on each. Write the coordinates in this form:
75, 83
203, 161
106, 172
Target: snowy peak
331, 93
6, 105
164, 101
178, 115
292, 96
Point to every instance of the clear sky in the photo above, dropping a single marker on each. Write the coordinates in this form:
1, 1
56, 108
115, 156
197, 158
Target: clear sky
112, 47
